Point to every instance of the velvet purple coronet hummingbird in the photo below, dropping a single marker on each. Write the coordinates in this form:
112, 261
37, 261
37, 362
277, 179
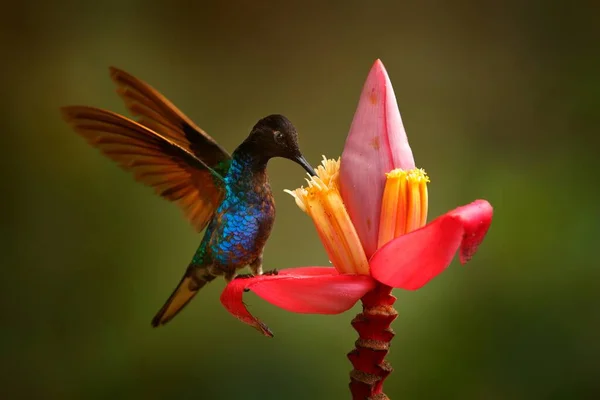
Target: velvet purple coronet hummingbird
229, 195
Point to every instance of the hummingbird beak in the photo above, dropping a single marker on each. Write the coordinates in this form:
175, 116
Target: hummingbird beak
302, 161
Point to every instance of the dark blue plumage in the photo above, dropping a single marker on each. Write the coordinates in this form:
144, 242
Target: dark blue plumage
228, 195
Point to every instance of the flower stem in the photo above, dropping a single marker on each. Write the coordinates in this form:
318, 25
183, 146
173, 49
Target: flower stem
375, 335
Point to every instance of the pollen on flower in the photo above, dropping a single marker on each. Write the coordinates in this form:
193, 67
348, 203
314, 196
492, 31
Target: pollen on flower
404, 204
416, 174
322, 201
326, 179
328, 172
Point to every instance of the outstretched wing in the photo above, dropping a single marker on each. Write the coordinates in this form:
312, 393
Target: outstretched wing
157, 113
168, 165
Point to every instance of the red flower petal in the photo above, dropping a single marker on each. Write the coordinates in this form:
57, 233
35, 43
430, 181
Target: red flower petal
412, 260
376, 144
314, 290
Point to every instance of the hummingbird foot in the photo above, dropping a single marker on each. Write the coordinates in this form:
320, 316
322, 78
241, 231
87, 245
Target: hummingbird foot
266, 273
244, 276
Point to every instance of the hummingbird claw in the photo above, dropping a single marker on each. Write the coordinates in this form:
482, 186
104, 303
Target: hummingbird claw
244, 276
271, 272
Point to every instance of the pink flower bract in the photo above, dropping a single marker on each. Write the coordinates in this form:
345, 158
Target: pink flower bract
315, 290
412, 260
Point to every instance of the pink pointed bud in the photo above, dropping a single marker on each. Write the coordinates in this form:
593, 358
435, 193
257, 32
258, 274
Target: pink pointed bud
376, 144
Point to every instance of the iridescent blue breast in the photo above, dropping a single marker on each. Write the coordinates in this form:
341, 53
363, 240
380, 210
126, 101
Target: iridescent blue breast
243, 228
243, 221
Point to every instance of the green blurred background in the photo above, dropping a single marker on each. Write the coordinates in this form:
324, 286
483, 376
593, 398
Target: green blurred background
499, 102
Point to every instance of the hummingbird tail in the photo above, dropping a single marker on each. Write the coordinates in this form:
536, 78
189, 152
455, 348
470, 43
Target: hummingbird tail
194, 279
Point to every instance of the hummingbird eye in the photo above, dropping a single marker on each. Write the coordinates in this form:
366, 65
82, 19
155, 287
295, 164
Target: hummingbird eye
278, 137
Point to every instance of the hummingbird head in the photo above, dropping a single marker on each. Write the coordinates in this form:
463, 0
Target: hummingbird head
275, 136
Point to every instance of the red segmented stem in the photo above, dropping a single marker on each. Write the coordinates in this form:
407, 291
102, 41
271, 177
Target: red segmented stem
373, 344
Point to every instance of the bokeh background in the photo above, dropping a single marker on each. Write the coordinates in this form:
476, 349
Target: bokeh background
499, 102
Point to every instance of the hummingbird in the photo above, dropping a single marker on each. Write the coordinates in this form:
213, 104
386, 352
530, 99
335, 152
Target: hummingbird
229, 195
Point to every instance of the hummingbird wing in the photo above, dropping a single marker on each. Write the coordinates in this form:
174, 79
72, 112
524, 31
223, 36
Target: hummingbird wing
171, 168
157, 113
